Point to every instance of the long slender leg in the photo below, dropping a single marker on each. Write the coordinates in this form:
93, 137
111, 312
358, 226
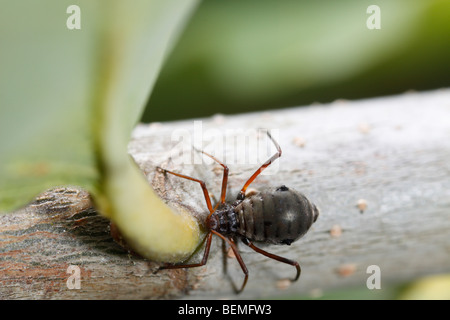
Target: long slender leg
238, 257
202, 184
241, 194
226, 252
275, 257
202, 263
224, 179
224, 256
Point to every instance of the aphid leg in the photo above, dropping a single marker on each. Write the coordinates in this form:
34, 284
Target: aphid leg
228, 251
193, 265
239, 259
224, 179
241, 194
202, 184
275, 257
224, 256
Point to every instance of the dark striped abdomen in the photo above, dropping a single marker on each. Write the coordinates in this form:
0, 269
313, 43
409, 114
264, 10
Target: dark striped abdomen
278, 216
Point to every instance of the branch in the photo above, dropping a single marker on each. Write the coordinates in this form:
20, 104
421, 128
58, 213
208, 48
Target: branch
378, 169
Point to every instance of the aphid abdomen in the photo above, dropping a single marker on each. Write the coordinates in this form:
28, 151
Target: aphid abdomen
278, 216
250, 213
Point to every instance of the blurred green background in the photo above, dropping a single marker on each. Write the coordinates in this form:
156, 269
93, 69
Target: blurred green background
246, 55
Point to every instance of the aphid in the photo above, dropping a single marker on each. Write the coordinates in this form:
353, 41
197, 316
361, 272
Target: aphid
277, 216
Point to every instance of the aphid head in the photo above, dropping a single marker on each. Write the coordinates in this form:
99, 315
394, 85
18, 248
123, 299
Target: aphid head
282, 188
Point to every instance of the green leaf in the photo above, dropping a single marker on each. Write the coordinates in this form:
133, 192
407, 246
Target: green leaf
69, 100
434, 287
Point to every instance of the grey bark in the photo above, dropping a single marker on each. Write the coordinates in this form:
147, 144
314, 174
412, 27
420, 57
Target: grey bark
378, 169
